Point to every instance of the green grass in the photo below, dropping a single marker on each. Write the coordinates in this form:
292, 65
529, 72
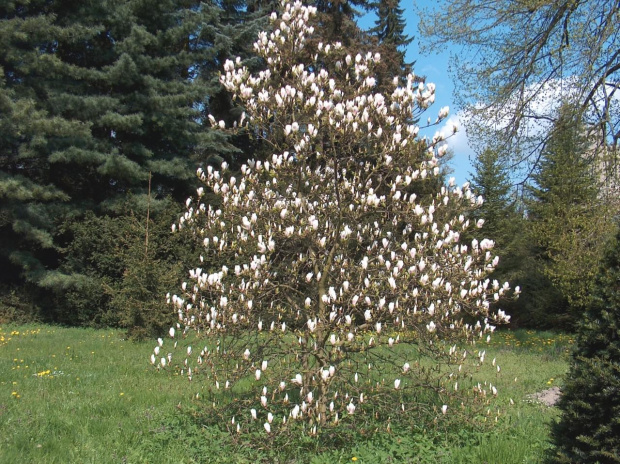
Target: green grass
79, 395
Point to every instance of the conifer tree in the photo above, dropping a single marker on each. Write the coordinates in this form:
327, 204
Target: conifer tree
568, 223
499, 212
504, 222
491, 180
337, 20
589, 428
95, 96
389, 31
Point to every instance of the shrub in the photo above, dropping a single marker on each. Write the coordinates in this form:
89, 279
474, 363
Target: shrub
121, 281
17, 305
588, 430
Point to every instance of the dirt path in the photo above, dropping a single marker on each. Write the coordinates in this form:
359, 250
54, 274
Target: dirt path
548, 397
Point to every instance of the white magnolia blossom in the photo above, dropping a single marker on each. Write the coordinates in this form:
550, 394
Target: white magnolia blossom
326, 250
350, 408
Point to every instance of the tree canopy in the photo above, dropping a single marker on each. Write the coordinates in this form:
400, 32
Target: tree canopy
568, 220
588, 430
389, 31
519, 58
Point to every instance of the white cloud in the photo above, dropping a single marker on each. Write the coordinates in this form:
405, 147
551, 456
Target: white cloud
545, 100
459, 145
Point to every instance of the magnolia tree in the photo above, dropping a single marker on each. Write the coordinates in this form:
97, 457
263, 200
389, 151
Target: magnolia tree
341, 293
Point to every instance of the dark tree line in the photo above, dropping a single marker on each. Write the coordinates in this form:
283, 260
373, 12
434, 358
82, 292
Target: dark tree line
103, 122
551, 234
102, 109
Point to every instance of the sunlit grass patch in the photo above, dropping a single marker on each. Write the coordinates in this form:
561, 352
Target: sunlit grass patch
547, 342
83, 395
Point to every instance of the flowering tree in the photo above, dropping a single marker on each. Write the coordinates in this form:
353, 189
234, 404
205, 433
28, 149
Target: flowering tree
339, 282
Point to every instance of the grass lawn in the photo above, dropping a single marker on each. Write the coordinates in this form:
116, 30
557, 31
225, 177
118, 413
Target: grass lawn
79, 395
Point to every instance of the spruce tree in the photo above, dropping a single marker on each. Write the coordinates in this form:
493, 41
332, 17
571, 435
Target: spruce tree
504, 222
33, 190
589, 428
239, 23
389, 32
337, 21
96, 97
568, 223
491, 180
499, 216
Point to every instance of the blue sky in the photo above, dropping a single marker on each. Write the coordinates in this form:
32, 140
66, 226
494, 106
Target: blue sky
435, 68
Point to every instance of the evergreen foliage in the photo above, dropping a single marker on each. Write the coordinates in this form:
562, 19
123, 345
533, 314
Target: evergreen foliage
540, 304
389, 31
568, 223
503, 223
490, 179
126, 265
95, 97
589, 429
337, 21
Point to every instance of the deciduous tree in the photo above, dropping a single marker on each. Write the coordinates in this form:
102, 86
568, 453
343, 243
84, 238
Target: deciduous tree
340, 291
518, 58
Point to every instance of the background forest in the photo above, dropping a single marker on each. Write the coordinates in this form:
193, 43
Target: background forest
103, 123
